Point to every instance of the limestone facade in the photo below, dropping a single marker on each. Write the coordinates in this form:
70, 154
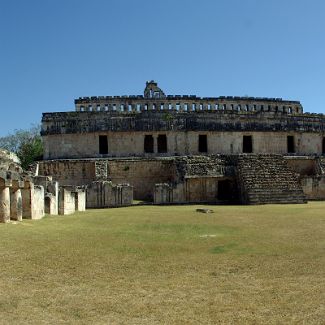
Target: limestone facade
173, 149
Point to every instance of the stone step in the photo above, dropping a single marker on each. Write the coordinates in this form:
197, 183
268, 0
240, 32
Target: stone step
267, 179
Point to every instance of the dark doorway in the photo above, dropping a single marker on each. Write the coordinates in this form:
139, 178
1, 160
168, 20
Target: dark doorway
148, 143
162, 143
103, 145
247, 144
291, 144
203, 143
224, 190
323, 151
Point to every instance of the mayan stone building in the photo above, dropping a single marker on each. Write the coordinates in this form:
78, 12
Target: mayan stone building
175, 149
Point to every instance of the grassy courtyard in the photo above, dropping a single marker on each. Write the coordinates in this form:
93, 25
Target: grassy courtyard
166, 265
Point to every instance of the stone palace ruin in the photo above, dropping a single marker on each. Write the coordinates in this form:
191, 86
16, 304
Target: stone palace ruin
186, 149
167, 150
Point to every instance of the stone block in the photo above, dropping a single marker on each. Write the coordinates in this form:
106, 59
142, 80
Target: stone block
80, 200
33, 201
67, 204
104, 194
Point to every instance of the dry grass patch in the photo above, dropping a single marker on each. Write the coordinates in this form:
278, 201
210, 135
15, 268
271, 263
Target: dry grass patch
167, 265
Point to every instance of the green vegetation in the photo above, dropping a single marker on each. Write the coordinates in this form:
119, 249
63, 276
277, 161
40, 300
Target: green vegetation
27, 144
167, 265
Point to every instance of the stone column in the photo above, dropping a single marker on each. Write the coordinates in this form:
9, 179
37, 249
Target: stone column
26, 193
16, 205
4, 204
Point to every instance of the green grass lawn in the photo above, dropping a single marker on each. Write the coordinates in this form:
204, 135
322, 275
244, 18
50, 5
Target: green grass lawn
166, 265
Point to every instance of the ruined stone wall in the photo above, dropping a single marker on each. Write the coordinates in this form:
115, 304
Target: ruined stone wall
303, 165
69, 172
131, 144
311, 175
313, 187
142, 174
104, 194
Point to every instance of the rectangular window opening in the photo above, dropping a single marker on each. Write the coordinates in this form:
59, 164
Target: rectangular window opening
247, 144
291, 144
103, 145
162, 143
148, 143
203, 143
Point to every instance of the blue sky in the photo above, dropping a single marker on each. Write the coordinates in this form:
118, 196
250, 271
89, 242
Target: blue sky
53, 51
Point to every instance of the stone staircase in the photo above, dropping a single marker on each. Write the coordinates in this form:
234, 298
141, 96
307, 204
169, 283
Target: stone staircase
267, 179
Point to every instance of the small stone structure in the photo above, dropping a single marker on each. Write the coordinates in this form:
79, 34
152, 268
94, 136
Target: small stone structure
71, 199
51, 193
104, 194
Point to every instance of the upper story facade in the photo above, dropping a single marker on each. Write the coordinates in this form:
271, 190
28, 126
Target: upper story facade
156, 124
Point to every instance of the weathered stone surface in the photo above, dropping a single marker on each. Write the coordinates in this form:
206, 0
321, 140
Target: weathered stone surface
4, 204
104, 194
67, 204
126, 120
16, 204
268, 179
80, 200
175, 149
51, 189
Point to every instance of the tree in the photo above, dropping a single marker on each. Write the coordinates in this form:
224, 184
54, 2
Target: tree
26, 144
